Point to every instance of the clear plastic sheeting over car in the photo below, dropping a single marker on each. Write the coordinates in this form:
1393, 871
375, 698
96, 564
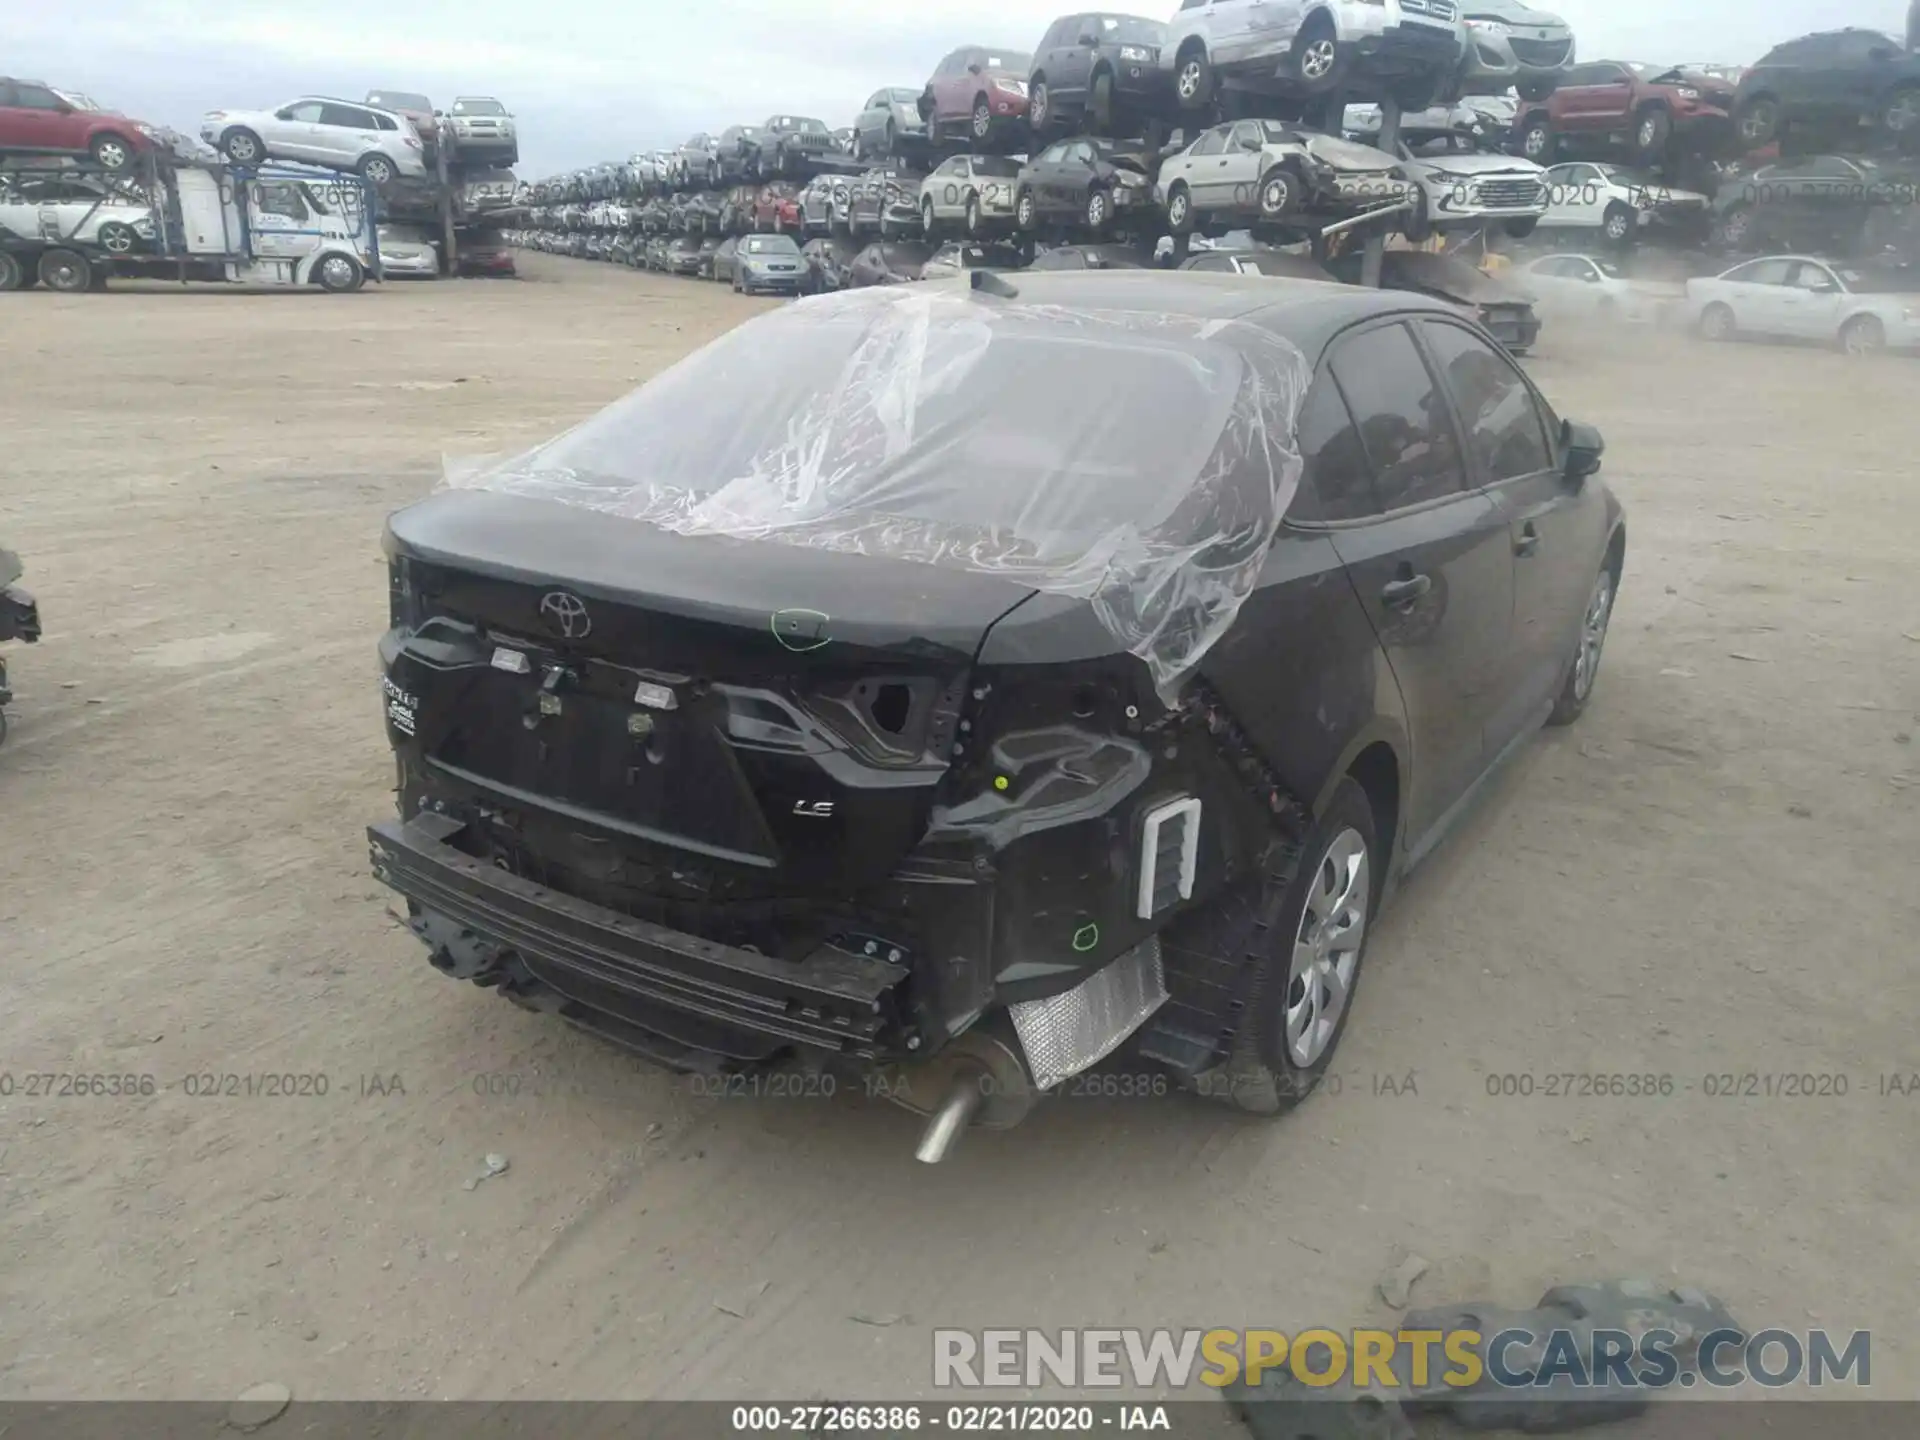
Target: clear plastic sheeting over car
1136, 459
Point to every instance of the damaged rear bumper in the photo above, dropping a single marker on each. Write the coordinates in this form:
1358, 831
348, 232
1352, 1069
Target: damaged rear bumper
684, 1002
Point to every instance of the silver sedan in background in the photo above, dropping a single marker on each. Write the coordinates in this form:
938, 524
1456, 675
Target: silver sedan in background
970, 193
408, 252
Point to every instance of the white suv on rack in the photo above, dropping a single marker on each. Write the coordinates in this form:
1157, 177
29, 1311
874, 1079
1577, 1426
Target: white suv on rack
1416, 47
340, 134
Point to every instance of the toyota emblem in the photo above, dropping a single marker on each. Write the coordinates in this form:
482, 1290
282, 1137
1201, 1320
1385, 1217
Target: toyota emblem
566, 613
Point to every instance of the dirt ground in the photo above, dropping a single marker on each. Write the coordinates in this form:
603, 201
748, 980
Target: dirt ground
1711, 875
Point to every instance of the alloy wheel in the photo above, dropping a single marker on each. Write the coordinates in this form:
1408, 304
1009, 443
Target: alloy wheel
1275, 195
1534, 142
1645, 134
1097, 209
1593, 636
1037, 106
1326, 951
1188, 83
240, 149
982, 121
1757, 123
1616, 227
111, 153
1177, 207
1904, 113
1316, 61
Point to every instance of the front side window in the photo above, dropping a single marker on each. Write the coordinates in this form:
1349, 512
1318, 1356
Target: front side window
1504, 428
1402, 417
1809, 276
307, 112
279, 198
1761, 272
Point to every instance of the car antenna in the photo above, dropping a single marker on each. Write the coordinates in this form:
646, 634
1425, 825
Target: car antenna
994, 284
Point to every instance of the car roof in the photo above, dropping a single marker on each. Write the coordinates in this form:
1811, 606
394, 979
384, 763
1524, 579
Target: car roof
1307, 312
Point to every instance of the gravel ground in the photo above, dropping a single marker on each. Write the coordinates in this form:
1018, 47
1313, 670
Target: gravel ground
1711, 875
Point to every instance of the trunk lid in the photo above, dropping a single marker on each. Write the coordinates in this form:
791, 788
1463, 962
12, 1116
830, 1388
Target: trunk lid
756, 713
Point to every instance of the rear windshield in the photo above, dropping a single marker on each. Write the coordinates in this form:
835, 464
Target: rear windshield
478, 107
996, 166
1011, 60
1050, 433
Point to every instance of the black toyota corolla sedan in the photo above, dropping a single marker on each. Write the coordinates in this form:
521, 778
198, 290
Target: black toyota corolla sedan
942, 687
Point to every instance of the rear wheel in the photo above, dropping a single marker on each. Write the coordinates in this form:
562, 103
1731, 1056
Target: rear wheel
1651, 131
1302, 927
1618, 224
12, 274
1757, 121
1025, 213
926, 216
1716, 322
66, 271
1100, 104
1863, 335
981, 129
376, 170
973, 216
1315, 59
1180, 209
1099, 209
1193, 78
1536, 139
1901, 114
1585, 666
1039, 108
242, 146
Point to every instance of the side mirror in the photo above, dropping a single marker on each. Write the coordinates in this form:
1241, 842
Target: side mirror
283, 114
1581, 447
61, 107
974, 69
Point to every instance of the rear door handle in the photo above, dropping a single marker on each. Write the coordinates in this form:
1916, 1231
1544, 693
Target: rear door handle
1398, 593
1528, 542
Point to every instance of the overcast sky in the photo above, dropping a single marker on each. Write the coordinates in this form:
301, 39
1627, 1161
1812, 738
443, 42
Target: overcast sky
593, 80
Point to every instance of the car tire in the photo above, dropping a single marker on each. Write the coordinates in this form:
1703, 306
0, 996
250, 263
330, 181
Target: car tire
1537, 141
926, 217
13, 275
980, 126
1039, 108
1619, 226
1757, 121
1652, 128
1099, 210
339, 275
1026, 213
973, 216
1302, 924
1863, 335
111, 151
1100, 104
1315, 62
1180, 209
377, 170
116, 238
1281, 193
1734, 228
1717, 322
1584, 667
1521, 228
1193, 78
64, 271
242, 146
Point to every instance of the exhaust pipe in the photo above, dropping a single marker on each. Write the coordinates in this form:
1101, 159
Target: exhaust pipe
977, 1080
956, 1112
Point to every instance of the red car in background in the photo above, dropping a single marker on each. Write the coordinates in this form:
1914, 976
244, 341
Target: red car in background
36, 119
1609, 109
486, 257
979, 91
777, 207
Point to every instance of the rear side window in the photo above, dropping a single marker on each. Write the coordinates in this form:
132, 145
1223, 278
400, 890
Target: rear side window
1504, 428
1211, 143
1336, 483
35, 97
1402, 417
